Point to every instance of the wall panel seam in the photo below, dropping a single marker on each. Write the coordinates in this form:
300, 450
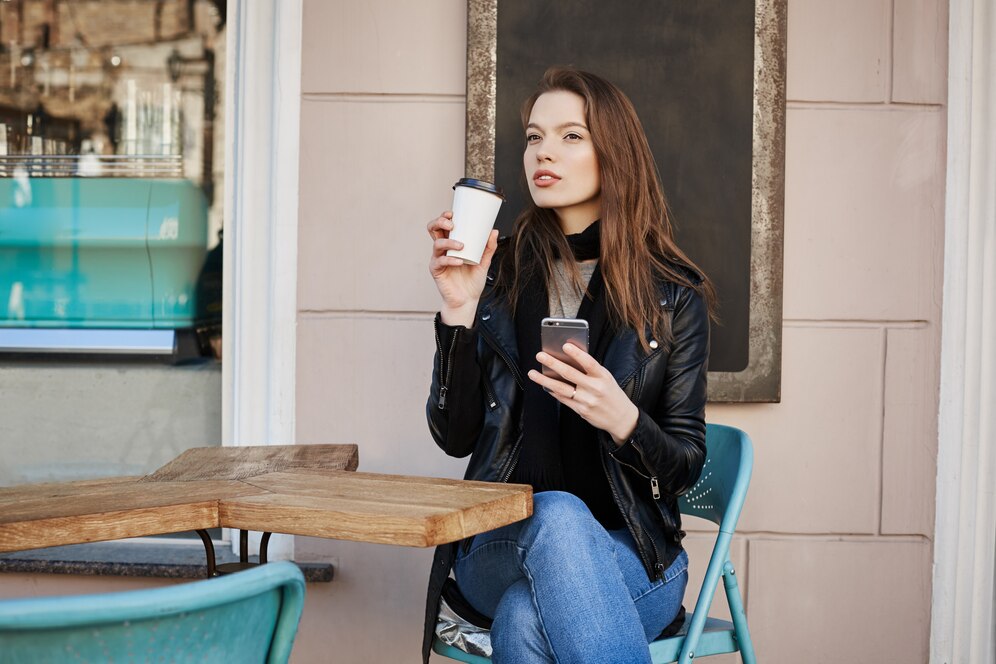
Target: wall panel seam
876, 106
774, 536
857, 323
383, 98
881, 429
890, 73
314, 314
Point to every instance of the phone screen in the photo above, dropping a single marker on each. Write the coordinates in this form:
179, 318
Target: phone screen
555, 332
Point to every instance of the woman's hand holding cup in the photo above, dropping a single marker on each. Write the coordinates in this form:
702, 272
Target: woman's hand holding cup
459, 283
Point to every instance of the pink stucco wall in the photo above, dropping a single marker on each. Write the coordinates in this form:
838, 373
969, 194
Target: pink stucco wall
835, 547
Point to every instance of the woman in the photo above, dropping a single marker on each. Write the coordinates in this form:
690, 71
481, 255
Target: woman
598, 571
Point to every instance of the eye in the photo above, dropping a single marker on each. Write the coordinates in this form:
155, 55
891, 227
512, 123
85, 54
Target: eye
532, 138
573, 136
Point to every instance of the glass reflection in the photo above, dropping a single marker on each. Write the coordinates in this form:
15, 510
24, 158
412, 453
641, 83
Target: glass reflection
109, 163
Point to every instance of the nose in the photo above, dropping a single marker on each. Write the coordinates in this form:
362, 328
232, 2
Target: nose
543, 154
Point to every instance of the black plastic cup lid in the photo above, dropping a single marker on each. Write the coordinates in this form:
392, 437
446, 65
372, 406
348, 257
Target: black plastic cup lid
482, 185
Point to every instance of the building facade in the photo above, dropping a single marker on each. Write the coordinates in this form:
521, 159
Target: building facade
360, 105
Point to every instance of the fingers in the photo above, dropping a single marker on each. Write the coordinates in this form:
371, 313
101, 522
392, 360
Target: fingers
562, 391
593, 394
557, 388
563, 369
587, 362
439, 229
440, 263
444, 244
441, 225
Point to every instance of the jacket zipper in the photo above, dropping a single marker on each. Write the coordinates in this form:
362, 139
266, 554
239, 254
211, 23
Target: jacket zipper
489, 392
655, 488
513, 461
657, 564
444, 388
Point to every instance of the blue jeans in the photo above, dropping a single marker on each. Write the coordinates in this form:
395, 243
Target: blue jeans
562, 589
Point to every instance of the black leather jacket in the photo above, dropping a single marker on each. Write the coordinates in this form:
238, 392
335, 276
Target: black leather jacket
474, 408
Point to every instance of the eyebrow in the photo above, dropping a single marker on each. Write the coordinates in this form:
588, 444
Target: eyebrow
560, 127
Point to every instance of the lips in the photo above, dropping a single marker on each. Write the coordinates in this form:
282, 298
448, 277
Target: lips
543, 178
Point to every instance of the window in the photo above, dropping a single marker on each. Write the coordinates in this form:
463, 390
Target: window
111, 170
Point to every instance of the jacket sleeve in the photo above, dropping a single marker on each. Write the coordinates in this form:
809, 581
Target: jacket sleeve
668, 442
454, 408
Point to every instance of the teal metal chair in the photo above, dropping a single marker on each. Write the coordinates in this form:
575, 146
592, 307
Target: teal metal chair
247, 617
718, 496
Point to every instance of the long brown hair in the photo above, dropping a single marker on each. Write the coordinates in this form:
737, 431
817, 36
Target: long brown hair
637, 239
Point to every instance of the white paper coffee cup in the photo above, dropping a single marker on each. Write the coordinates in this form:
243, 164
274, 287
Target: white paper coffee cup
475, 208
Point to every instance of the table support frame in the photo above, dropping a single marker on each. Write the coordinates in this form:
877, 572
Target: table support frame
213, 569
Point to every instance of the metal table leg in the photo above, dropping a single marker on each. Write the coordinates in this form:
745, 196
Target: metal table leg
263, 543
229, 568
209, 550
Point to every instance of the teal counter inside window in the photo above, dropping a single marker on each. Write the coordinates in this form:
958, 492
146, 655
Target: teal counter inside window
101, 252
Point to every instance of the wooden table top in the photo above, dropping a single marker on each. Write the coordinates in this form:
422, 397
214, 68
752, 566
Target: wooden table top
292, 489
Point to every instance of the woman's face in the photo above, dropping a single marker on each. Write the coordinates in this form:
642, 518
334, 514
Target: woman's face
560, 163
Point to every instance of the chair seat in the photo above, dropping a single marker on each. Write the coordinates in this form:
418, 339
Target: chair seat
717, 637
455, 653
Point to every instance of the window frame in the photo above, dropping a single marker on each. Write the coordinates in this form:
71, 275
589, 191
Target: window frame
259, 318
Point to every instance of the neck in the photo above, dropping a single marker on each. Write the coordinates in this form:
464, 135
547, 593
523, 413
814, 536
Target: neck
575, 219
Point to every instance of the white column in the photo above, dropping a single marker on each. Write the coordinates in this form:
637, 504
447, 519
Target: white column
262, 115
962, 615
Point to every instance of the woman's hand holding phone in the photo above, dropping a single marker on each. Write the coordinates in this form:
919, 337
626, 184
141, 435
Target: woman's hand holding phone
591, 392
459, 284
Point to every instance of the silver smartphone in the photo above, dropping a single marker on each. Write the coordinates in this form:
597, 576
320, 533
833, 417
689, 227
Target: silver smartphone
555, 332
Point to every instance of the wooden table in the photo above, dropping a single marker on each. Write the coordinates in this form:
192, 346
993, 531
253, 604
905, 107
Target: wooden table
293, 489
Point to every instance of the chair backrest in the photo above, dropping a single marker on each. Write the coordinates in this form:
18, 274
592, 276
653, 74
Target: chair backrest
719, 494
250, 616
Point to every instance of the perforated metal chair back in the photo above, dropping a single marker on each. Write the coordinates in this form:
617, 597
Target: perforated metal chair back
719, 494
248, 617
719, 497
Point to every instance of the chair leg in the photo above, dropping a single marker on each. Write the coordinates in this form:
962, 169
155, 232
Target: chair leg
738, 614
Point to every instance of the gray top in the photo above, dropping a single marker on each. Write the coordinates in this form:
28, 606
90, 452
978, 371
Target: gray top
565, 299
